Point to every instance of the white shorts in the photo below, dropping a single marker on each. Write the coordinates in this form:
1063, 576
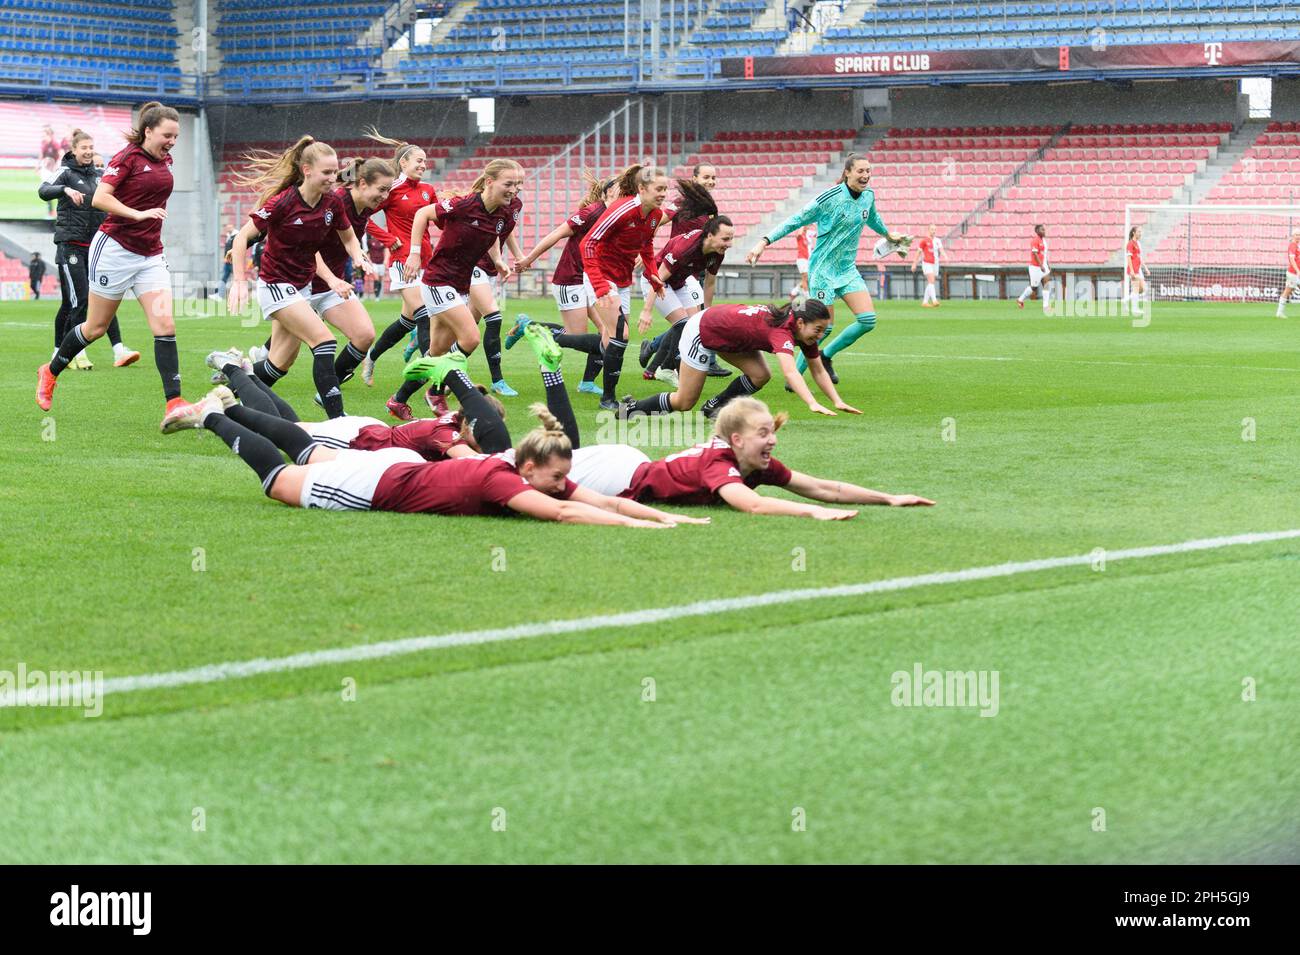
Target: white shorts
624, 294
689, 298
569, 297
692, 349
439, 298
801, 265
931, 269
273, 296
606, 468
338, 432
324, 301
395, 281
1036, 276
1292, 280
492, 280
348, 482
114, 270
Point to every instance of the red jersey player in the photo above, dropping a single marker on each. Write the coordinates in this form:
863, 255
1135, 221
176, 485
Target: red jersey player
1292, 273
407, 196
127, 252
741, 334
1038, 270
1135, 270
929, 252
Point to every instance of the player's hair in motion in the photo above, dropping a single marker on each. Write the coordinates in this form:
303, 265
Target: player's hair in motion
739, 415
78, 136
495, 169
545, 442
631, 179
811, 311
401, 149
271, 173
152, 114
852, 160
596, 187
713, 225
360, 169
693, 200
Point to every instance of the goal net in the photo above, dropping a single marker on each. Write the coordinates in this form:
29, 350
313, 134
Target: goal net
1212, 253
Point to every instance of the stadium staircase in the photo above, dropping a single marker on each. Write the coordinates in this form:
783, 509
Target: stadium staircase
404, 11
801, 42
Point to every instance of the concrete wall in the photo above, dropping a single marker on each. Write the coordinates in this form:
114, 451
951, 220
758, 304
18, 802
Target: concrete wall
1159, 101
427, 118
1286, 99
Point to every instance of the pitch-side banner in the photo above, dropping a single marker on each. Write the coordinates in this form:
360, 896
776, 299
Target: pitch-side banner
1044, 59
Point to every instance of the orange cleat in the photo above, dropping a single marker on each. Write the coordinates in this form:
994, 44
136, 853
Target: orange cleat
126, 358
45, 382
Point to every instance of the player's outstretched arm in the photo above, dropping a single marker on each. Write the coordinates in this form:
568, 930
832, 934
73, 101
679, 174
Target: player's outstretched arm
842, 492
546, 508
795, 380
562, 231
629, 508
823, 379
746, 499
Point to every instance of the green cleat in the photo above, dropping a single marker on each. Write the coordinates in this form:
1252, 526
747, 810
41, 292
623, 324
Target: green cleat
412, 345
549, 354
434, 370
522, 324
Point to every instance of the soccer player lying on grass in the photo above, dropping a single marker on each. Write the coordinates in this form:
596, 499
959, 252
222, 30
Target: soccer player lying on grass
740, 334
398, 479
725, 469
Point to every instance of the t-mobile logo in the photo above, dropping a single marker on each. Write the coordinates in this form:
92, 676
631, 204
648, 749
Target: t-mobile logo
1212, 53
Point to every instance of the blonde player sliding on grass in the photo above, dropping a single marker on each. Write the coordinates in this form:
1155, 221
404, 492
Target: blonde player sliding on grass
840, 213
1039, 270
1292, 287
726, 469
929, 253
1136, 269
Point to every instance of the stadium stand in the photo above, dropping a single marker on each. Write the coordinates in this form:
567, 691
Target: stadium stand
896, 25
14, 280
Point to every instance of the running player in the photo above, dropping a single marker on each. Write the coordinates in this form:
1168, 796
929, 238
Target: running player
686, 255
127, 252
406, 197
929, 253
486, 291
694, 204
1292, 273
366, 184
740, 334
1038, 270
841, 213
298, 213
470, 225
609, 250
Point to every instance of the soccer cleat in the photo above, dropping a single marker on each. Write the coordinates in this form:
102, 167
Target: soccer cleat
316, 398
434, 370
1020, 303
125, 358
504, 390
184, 415
368, 370
399, 409
717, 371
224, 395
609, 404
627, 408
437, 403
549, 354
517, 331
258, 353
589, 388
667, 375
45, 382
646, 353
218, 360
412, 345
647, 375
710, 409
830, 370
82, 363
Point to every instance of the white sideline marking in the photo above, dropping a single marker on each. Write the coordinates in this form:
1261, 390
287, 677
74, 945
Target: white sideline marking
391, 648
1055, 361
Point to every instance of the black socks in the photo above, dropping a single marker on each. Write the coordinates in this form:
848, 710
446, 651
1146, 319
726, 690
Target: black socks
614, 352
327, 383
557, 399
489, 430
257, 452
169, 366
492, 344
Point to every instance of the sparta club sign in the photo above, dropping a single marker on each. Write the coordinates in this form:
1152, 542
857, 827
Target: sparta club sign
1066, 59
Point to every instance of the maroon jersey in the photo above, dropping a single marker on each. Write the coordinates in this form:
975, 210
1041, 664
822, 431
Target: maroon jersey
431, 438
685, 256
468, 231
569, 269
139, 182
295, 232
332, 251
610, 249
486, 263
681, 226
741, 328
695, 475
477, 485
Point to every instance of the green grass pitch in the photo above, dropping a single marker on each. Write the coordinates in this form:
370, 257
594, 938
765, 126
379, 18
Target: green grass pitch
772, 735
18, 199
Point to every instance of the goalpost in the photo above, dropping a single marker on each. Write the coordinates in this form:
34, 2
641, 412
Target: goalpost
1212, 253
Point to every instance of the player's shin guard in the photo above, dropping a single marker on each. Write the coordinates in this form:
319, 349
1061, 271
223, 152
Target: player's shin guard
72, 345
860, 325
579, 342
256, 395
614, 353
169, 365
395, 332
492, 344
267, 373
557, 399
489, 430
347, 361
257, 452
594, 364
668, 343
738, 388
285, 435
327, 383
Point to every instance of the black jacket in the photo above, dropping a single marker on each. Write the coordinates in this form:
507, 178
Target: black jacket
36, 270
76, 223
